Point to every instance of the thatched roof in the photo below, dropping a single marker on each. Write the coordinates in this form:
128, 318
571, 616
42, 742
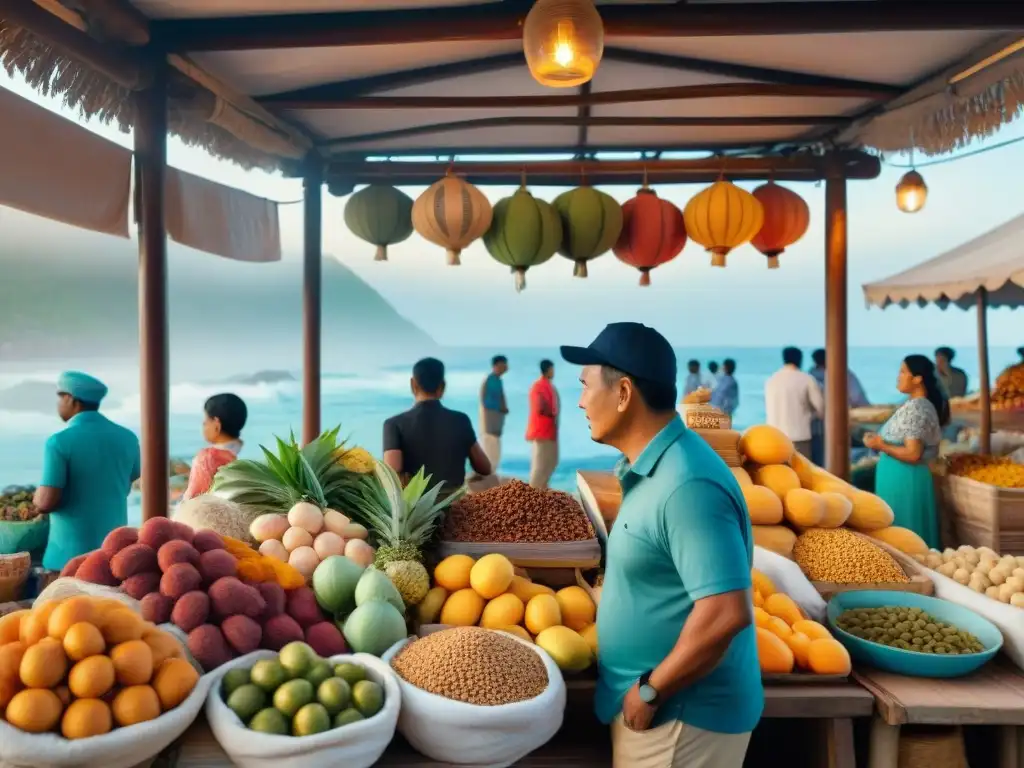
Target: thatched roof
399, 77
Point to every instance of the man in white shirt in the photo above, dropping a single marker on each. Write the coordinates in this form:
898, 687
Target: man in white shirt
793, 399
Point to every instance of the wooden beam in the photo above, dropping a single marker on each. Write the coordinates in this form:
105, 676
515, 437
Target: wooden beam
113, 20
312, 299
503, 21
150, 135
583, 114
984, 382
550, 152
122, 65
593, 122
324, 100
837, 398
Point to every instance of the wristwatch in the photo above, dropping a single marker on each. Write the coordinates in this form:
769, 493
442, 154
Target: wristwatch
648, 694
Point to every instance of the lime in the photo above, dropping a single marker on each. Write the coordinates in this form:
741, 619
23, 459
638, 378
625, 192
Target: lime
350, 673
293, 696
269, 721
335, 694
233, 678
268, 674
319, 672
246, 700
367, 697
312, 718
297, 659
348, 716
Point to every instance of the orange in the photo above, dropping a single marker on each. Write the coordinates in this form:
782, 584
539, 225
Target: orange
761, 617
812, 629
119, 625
83, 640
784, 607
779, 627
828, 657
163, 645
133, 662
92, 677
10, 626
799, 644
758, 600
44, 664
8, 687
85, 718
34, 711
773, 654
33, 628
68, 613
136, 704
174, 681
10, 659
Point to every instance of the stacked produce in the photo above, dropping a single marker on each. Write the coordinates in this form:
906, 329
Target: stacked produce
16, 503
474, 666
487, 592
1009, 390
307, 535
787, 641
517, 512
298, 693
909, 629
981, 569
84, 666
999, 471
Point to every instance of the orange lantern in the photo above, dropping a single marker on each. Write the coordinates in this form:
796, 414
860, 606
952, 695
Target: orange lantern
653, 232
721, 218
786, 218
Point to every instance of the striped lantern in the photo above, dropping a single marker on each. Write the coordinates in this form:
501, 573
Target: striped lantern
721, 218
786, 218
452, 213
525, 232
380, 215
591, 223
652, 233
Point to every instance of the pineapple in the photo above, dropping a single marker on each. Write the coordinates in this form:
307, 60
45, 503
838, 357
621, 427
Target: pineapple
401, 522
357, 460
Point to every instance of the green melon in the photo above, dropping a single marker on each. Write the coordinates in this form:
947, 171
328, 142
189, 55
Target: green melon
591, 223
524, 232
381, 215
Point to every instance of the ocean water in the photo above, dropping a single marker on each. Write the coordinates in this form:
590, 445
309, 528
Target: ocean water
361, 402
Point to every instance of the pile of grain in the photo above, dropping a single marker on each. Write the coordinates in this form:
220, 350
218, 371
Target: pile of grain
473, 665
516, 512
842, 557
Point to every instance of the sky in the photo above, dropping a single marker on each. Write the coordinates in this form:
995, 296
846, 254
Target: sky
695, 305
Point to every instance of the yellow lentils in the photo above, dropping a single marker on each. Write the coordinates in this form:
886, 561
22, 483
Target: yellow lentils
473, 665
841, 556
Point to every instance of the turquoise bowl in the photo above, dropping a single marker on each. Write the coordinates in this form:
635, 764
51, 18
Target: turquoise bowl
911, 663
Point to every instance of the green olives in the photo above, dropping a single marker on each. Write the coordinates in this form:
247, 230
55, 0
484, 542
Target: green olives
909, 629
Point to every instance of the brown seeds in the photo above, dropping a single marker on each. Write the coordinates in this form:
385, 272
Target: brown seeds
841, 556
516, 512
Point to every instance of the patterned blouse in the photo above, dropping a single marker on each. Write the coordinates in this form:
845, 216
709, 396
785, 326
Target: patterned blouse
916, 419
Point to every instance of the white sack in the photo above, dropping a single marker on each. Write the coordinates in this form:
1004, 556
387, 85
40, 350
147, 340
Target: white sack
485, 737
66, 587
356, 745
788, 578
121, 748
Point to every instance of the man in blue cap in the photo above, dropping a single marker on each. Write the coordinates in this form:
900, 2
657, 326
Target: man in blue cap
678, 674
88, 471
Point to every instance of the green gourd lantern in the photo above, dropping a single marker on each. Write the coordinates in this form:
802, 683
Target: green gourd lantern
591, 223
381, 215
524, 232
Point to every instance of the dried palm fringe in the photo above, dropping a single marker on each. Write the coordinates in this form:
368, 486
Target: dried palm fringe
226, 133
951, 119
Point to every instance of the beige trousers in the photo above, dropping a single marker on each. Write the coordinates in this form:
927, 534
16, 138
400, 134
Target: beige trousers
492, 447
543, 463
676, 745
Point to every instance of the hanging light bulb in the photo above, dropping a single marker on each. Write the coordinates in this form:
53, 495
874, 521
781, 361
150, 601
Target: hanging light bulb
563, 41
911, 192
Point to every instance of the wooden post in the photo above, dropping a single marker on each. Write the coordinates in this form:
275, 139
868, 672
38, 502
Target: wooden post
150, 176
983, 376
312, 272
837, 415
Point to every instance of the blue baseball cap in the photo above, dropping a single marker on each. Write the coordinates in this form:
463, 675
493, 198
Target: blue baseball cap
632, 348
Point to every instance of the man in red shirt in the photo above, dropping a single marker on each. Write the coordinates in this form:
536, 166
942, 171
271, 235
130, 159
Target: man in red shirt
542, 426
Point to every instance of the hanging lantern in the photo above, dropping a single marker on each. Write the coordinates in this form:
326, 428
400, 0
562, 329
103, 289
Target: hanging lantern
786, 218
911, 192
524, 232
653, 232
381, 215
563, 41
721, 218
591, 223
452, 213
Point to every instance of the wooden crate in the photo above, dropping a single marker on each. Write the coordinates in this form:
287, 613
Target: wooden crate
984, 515
920, 576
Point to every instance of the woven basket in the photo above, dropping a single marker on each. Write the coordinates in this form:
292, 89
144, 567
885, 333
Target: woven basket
13, 574
725, 442
932, 747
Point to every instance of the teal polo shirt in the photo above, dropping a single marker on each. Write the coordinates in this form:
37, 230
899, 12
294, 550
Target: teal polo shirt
682, 534
94, 462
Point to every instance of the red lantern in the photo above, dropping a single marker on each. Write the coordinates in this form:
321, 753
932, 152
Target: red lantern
786, 217
653, 233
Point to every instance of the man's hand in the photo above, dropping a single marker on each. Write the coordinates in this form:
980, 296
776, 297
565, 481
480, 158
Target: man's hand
636, 713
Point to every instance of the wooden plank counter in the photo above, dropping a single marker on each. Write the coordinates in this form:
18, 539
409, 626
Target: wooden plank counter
994, 695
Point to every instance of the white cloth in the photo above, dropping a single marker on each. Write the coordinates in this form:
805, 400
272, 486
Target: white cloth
792, 399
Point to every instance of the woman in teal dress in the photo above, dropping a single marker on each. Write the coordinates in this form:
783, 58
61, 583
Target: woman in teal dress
907, 442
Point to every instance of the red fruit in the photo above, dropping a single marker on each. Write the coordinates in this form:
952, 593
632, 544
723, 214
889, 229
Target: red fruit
177, 551
230, 597
156, 532
133, 559
71, 567
279, 631
274, 596
325, 638
208, 646
191, 610
303, 607
118, 539
96, 570
182, 532
179, 579
216, 564
156, 608
141, 584
206, 540
242, 633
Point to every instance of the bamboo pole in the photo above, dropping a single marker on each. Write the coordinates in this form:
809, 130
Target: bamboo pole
983, 374
312, 290
837, 414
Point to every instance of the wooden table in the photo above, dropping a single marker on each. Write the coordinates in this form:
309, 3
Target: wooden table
994, 695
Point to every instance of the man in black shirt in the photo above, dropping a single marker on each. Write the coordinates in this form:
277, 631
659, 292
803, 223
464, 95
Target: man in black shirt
431, 436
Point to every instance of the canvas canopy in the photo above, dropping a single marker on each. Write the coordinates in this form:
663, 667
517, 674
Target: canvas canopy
994, 261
